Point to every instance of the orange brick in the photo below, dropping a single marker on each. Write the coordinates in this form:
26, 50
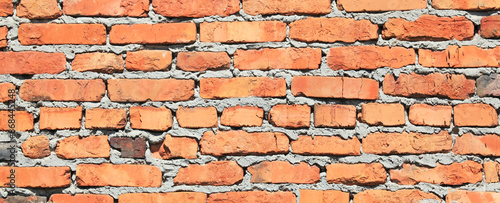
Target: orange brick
149, 60
460, 57
141, 90
453, 174
380, 5
243, 32
214, 173
6, 8
369, 57
484, 145
464, 196
323, 145
283, 172
60, 118
405, 195
150, 118
41, 34
253, 196
322, 196
62, 90
77, 147
333, 30
356, 174
6, 91
476, 115
202, 61
3, 36
242, 143
64, 198
196, 8
175, 147
335, 87
197, 117
490, 26
31, 62
168, 197
286, 7
424, 114
220, 88
242, 116
36, 177
112, 8
383, 114
123, 175
290, 116
98, 62
491, 171
23, 121
163, 33
36, 147
472, 5
334, 116
38, 9
105, 118
281, 58
407, 143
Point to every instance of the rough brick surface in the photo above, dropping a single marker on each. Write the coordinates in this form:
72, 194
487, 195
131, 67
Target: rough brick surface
60, 118
36, 177
6, 93
343, 116
369, 57
62, 90
123, 175
243, 32
202, 61
356, 174
30, 62
141, 90
382, 114
465, 196
105, 118
148, 60
405, 195
196, 8
169, 197
335, 87
490, 26
284, 58
453, 174
38, 9
460, 57
115, 8
488, 85
76, 147
24, 121
36, 147
252, 196
424, 114
286, 7
321, 196
242, 116
220, 88
380, 5
129, 147
283, 172
3, 36
407, 143
40, 34
480, 5
333, 30
150, 118
156, 33
323, 145
197, 117
98, 62
485, 145
479, 115
6, 8
213, 173
62, 198
175, 147
491, 171
290, 116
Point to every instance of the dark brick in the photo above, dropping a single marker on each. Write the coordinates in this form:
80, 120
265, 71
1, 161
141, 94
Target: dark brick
488, 85
4, 151
130, 148
22, 199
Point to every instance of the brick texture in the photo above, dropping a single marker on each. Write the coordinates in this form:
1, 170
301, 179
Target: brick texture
40, 34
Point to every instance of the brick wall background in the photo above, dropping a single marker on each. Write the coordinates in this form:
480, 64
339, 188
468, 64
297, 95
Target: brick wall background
250, 101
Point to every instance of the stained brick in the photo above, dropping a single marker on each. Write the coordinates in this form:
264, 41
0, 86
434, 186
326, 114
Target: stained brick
490, 26
175, 147
62, 90
129, 147
488, 85
484, 145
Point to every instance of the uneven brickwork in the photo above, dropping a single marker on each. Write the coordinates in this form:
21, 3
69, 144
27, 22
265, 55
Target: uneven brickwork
216, 101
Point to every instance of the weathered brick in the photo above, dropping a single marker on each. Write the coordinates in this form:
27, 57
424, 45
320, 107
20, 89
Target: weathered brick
488, 85
369, 57
253, 196
36, 147
453, 174
460, 57
323, 196
3, 36
148, 60
129, 147
5, 92
41, 34
335, 87
22, 199
243, 32
476, 115
429, 28
380, 5
323, 145
214, 173
333, 30
162, 33
105, 118
290, 116
356, 174
337, 116
175, 147
32, 62
111, 8
424, 114
6, 8
202, 61
150, 118
23, 121
464, 196
60, 118
286, 7
123, 175
382, 114
220, 88
63, 90
490, 26
484, 145
283, 172
242, 143
98, 62
407, 143
472, 5
65, 198
432, 85
281, 58
405, 195
168, 197
242, 116
38, 9
5, 152
197, 117
36, 177
141, 90
196, 8
491, 171
77, 147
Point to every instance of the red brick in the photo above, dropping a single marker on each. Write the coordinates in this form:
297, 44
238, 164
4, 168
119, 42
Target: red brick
253, 196
112, 8
3, 36
163, 33
175, 147
281, 58
453, 174
149, 60
124, 175
424, 114
369, 57
490, 26
38, 9
6, 92
491, 171
484, 145
323, 196
31, 62
168, 197
202, 61
196, 8
429, 28
23, 121
62, 90
479, 5
286, 7
197, 117
333, 30
65, 198
476, 115
324, 145
129, 147
36, 147
41, 34
243, 32
214, 173
460, 57
336, 116
283, 172
98, 62
407, 143
77, 147
380, 5
241, 143
220, 88
356, 174
150, 118
60, 118
290, 116
464, 196
6, 8
36, 177
105, 118
335, 87
242, 116
382, 114
141, 90
405, 195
